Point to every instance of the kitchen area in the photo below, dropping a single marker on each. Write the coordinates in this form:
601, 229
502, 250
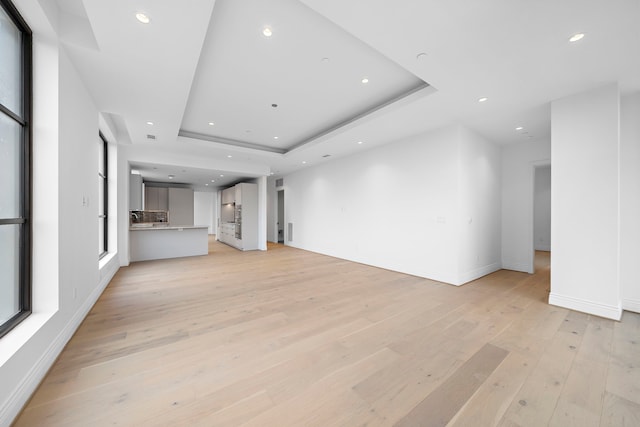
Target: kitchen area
161, 219
161, 222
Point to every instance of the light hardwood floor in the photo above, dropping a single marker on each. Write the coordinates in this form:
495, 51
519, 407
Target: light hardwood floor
292, 338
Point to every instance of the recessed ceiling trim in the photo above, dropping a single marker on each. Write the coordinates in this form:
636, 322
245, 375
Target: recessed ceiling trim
358, 117
228, 141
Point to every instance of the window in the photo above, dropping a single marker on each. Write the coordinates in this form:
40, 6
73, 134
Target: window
103, 196
15, 167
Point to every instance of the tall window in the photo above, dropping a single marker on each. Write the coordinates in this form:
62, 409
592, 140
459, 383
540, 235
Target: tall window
103, 197
15, 166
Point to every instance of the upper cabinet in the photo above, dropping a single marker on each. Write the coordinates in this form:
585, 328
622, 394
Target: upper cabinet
180, 206
135, 192
229, 196
156, 199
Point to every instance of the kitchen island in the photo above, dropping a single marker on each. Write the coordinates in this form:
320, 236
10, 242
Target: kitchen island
148, 242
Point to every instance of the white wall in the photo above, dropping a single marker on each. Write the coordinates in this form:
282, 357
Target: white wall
66, 275
542, 209
630, 201
203, 209
518, 163
585, 197
479, 201
399, 206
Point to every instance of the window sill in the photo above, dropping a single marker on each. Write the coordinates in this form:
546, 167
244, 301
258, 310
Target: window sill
13, 341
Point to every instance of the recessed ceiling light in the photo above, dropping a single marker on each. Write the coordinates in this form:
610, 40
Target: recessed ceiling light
365, 80
213, 180
143, 17
150, 123
304, 162
211, 123
229, 156
272, 173
519, 128
171, 176
267, 32
359, 142
483, 99
275, 137
221, 176
421, 56
574, 38
207, 184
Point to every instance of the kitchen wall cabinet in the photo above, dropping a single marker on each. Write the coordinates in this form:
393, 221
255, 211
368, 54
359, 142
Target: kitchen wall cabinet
156, 199
135, 192
180, 206
229, 196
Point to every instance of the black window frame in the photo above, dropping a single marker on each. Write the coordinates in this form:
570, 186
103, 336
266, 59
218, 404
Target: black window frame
104, 215
23, 118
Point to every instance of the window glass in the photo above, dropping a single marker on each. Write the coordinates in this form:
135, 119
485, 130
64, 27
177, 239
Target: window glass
15, 187
9, 271
10, 65
10, 132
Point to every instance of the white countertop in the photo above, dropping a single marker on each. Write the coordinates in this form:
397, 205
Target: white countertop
166, 227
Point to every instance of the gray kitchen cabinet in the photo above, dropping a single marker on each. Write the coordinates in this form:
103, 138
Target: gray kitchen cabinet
156, 199
180, 206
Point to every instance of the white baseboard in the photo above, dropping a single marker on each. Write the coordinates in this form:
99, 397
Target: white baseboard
477, 273
516, 266
590, 307
36, 374
631, 305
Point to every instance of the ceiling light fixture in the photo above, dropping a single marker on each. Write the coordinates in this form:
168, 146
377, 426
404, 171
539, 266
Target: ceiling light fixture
365, 80
229, 156
143, 17
421, 56
267, 32
171, 176
150, 123
483, 99
207, 185
576, 37
275, 137
359, 142
211, 123
304, 162
213, 180
519, 128
221, 176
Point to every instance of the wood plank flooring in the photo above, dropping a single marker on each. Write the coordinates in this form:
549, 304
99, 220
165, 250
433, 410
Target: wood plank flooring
292, 338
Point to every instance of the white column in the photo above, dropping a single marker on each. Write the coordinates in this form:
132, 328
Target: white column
585, 217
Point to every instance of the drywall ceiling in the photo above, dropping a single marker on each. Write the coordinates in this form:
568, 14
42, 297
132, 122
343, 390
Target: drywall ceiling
207, 61
278, 91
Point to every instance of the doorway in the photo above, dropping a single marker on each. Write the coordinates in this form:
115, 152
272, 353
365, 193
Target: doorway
541, 216
280, 223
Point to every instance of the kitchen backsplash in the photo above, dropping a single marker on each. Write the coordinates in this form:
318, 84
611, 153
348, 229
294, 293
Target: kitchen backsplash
138, 217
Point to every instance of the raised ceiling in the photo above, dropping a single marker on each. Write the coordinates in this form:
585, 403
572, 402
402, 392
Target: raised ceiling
204, 61
279, 91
